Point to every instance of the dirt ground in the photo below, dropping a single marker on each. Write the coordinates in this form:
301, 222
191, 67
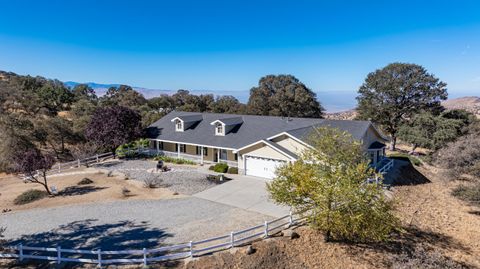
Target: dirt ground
102, 189
430, 216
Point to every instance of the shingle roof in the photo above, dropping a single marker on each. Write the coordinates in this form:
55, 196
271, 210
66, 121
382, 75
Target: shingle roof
191, 118
232, 120
252, 129
376, 145
356, 128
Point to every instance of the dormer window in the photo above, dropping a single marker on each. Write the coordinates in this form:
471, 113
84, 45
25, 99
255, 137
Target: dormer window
178, 126
219, 130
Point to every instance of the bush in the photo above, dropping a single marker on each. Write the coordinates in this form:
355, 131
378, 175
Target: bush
85, 181
212, 167
29, 196
220, 168
232, 170
469, 194
125, 192
168, 159
218, 179
461, 156
151, 182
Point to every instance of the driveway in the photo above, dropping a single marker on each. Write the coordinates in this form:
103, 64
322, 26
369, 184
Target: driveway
244, 192
127, 224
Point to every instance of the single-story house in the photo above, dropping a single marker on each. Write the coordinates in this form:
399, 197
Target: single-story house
254, 144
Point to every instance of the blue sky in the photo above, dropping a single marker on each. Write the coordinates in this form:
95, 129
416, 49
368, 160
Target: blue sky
228, 45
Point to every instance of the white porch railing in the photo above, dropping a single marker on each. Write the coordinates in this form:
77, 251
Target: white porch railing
195, 158
147, 256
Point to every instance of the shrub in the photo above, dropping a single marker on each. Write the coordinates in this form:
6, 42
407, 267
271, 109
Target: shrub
125, 192
29, 196
469, 194
212, 167
232, 170
85, 181
151, 182
218, 179
220, 168
168, 159
461, 156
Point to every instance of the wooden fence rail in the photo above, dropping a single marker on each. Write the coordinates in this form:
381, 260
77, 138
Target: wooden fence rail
146, 256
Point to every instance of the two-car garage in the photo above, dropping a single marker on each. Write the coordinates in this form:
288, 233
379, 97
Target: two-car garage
261, 167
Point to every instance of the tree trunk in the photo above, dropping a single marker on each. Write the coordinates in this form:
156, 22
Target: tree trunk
45, 184
393, 142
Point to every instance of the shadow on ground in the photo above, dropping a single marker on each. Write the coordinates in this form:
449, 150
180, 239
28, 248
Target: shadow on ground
87, 235
79, 190
405, 173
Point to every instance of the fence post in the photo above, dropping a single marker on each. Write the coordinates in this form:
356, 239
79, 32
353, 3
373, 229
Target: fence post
266, 229
78, 163
99, 258
59, 255
290, 219
96, 157
20, 251
144, 257
232, 240
59, 168
190, 245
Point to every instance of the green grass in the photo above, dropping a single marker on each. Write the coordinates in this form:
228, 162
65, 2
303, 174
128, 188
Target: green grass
173, 160
399, 155
29, 196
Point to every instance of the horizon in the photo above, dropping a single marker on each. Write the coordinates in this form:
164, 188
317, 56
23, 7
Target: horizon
227, 47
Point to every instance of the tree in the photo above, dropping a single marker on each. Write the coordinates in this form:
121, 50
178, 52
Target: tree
392, 95
429, 131
16, 133
283, 95
328, 185
35, 166
54, 133
123, 96
111, 127
227, 104
83, 91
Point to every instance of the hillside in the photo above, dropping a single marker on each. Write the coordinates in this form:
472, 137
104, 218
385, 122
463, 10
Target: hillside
469, 103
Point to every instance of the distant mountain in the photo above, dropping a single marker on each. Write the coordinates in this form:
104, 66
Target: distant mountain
469, 103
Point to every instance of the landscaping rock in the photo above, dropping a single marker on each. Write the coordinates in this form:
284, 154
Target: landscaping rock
290, 234
250, 250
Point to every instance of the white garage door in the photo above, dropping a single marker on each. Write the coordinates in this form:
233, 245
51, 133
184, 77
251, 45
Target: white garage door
261, 167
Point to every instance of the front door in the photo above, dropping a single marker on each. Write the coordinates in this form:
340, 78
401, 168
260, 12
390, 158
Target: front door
223, 154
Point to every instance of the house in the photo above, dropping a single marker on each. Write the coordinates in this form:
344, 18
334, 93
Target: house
254, 144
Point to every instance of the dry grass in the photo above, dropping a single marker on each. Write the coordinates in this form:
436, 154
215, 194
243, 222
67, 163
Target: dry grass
102, 189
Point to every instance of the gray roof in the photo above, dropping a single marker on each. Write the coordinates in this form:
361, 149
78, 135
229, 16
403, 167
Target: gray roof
252, 129
191, 118
232, 121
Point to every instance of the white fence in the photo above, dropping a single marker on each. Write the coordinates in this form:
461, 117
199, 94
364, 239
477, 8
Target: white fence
384, 169
146, 256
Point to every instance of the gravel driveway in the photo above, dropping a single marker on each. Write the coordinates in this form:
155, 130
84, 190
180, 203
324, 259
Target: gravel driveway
127, 224
182, 179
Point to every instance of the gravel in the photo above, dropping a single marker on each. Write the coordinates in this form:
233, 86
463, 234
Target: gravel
182, 179
126, 225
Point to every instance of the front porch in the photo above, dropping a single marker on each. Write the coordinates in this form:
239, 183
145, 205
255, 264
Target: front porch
197, 153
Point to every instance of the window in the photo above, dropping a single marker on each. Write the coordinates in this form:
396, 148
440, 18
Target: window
182, 148
236, 156
198, 150
205, 151
219, 129
178, 126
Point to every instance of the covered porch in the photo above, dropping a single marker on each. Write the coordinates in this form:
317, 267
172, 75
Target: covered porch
198, 153
378, 157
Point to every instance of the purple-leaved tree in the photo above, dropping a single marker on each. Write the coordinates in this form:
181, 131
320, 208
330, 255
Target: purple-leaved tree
35, 165
111, 127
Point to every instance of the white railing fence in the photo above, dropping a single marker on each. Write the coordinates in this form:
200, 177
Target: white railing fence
384, 169
147, 256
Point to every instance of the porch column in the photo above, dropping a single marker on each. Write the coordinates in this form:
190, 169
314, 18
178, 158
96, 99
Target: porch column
218, 155
158, 146
178, 150
375, 157
201, 155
